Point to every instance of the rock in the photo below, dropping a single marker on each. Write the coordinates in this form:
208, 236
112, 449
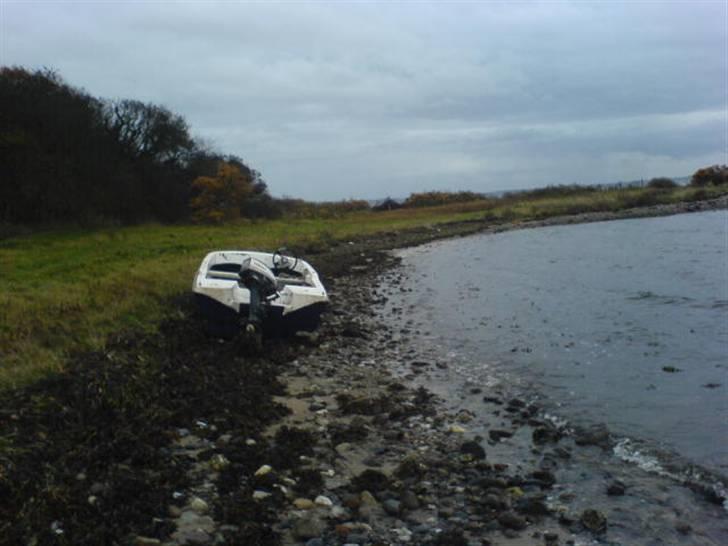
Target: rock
303, 504
315, 542
550, 537
545, 477
594, 521
219, 462
616, 489
516, 403
340, 513
192, 536
456, 429
146, 541
597, 435
543, 435
323, 501
498, 483
531, 506
474, 449
367, 499
494, 502
509, 520
392, 507
308, 526
263, 470
370, 480
409, 500
98, 488
350, 500
368, 505
260, 495
498, 434
683, 527
198, 505
515, 492
671, 369
355, 539
224, 439
411, 467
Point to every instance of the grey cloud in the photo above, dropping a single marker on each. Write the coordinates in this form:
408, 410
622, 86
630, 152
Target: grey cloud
364, 100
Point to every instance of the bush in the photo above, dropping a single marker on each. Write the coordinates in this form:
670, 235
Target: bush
714, 175
662, 183
435, 198
551, 191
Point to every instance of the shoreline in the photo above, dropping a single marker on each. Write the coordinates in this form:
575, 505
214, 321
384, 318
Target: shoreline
335, 445
520, 492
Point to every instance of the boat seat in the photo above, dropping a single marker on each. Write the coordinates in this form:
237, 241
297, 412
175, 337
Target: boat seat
227, 275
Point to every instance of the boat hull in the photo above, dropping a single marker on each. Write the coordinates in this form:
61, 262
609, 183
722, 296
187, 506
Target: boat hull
225, 322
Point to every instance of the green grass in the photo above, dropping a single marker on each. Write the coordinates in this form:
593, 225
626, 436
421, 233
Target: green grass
68, 290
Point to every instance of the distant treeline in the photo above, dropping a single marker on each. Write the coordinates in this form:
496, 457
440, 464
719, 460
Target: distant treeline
66, 156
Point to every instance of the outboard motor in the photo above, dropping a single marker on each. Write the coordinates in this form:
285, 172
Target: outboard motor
262, 285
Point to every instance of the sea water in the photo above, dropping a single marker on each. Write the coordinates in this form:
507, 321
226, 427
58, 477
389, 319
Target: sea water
622, 322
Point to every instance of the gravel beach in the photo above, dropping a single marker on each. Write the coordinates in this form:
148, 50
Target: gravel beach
329, 438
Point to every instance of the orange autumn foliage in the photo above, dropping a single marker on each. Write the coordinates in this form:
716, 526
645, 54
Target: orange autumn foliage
218, 199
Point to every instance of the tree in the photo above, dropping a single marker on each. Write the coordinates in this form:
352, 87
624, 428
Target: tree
148, 131
219, 199
714, 175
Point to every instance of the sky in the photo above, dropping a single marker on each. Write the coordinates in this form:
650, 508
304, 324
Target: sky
341, 100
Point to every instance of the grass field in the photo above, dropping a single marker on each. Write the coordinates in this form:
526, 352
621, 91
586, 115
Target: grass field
68, 290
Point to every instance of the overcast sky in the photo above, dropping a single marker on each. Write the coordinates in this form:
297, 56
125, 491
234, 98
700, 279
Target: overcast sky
363, 100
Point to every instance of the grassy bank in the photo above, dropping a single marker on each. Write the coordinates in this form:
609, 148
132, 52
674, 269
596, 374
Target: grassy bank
66, 291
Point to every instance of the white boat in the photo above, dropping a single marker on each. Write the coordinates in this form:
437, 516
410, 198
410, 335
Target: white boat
272, 292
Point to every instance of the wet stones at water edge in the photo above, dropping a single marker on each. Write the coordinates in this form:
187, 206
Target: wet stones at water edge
473, 449
594, 521
595, 435
616, 489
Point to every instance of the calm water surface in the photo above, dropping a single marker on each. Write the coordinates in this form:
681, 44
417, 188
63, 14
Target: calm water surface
621, 322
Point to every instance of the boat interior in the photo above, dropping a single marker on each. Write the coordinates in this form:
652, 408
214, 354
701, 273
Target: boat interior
230, 270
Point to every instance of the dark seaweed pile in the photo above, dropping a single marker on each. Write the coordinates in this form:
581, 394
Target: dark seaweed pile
85, 457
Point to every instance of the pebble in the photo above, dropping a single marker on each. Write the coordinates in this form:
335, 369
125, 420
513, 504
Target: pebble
199, 505
392, 507
615, 488
146, 541
323, 501
509, 520
219, 462
594, 521
303, 504
683, 527
409, 500
474, 449
263, 470
260, 495
308, 526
